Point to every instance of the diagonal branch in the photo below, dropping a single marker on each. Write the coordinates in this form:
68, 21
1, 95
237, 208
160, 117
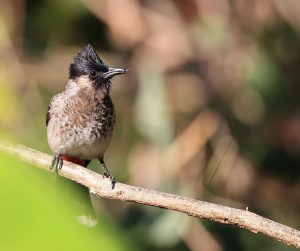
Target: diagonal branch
101, 186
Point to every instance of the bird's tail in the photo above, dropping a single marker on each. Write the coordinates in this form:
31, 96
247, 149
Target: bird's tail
81, 203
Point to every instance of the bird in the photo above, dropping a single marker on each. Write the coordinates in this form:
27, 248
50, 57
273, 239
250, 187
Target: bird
80, 120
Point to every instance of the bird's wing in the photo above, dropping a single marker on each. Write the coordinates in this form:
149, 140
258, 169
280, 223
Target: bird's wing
48, 115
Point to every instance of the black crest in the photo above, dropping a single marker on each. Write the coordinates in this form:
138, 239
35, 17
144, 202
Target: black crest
86, 61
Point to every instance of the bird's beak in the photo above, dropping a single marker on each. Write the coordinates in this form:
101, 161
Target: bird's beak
113, 72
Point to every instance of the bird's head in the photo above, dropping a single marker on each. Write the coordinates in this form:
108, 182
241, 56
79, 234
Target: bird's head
88, 70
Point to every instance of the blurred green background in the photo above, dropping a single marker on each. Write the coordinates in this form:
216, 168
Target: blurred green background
209, 109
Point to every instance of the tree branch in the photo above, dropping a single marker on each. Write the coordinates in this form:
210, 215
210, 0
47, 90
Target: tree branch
101, 186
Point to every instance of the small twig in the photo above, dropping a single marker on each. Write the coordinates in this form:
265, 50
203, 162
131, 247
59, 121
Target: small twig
222, 158
101, 186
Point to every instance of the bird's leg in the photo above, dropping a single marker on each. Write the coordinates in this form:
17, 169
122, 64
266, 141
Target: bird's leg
106, 173
56, 163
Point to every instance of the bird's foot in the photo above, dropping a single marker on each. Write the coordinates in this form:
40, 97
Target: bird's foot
56, 163
112, 179
107, 174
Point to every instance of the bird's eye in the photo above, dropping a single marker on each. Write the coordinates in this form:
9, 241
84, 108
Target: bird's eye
93, 74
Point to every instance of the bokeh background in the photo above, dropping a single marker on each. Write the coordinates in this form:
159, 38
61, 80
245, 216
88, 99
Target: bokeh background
209, 109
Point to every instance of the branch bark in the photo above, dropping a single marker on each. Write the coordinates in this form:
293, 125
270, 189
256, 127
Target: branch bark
101, 186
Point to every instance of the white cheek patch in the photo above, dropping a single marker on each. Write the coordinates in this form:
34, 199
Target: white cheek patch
72, 88
84, 82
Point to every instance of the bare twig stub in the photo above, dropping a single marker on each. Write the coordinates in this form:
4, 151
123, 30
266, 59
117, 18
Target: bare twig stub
101, 186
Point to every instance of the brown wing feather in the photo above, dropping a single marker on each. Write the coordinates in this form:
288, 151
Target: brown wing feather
48, 116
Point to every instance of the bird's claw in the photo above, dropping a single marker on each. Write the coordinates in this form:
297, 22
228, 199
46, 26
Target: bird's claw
56, 163
112, 179
107, 174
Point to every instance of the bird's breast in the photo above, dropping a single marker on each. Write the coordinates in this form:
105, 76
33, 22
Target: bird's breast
81, 128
